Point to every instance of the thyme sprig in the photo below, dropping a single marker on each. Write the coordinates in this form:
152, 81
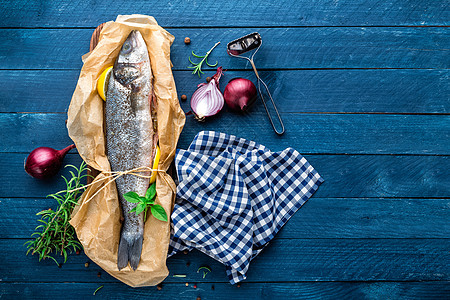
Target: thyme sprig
55, 234
198, 66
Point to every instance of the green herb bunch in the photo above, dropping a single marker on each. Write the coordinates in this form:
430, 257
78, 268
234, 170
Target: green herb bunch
198, 66
143, 203
55, 234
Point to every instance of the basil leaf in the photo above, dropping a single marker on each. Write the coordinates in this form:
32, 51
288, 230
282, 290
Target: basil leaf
140, 208
149, 201
131, 197
159, 212
151, 192
133, 210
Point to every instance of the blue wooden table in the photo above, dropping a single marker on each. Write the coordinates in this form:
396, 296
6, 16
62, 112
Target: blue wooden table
363, 88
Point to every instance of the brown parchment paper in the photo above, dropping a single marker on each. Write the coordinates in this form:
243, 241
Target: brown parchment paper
97, 219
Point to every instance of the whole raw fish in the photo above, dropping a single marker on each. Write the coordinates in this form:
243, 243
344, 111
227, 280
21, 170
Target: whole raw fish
130, 137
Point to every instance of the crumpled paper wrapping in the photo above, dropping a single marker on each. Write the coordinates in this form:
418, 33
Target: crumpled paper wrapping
97, 220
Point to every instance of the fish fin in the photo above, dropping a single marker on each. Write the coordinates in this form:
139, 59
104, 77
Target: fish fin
122, 254
129, 250
134, 252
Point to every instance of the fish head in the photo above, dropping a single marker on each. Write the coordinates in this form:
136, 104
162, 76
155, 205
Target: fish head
132, 56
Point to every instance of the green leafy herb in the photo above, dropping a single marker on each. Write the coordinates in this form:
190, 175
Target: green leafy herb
97, 289
55, 234
205, 269
144, 203
198, 66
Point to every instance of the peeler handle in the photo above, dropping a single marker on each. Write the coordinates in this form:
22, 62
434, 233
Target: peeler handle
273, 103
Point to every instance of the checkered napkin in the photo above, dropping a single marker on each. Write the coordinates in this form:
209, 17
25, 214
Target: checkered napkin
234, 195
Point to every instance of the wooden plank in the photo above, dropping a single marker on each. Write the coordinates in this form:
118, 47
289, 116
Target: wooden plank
307, 133
244, 13
346, 176
37, 91
284, 260
356, 91
225, 291
329, 133
283, 48
33, 130
319, 218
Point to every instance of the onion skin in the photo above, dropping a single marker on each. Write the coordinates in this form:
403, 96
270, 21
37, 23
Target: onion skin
207, 99
45, 162
240, 94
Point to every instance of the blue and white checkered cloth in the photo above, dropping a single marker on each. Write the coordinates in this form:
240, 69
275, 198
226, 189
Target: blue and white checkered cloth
234, 195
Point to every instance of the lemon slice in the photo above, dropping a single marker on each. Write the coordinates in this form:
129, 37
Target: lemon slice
155, 164
102, 83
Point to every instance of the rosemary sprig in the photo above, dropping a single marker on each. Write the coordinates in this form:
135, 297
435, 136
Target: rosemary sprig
55, 234
198, 66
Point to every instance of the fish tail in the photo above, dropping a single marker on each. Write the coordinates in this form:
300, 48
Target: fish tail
130, 248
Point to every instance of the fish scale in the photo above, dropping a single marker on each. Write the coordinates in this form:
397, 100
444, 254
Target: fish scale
129, 137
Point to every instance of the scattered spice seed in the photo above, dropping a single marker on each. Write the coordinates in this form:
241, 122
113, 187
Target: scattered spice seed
238, 285
77, 252
187, 40
183, 97
187, 283
212, 287
159, 287
97, 289
198, 298
208, 79
99, 274
60, 265
185, 252
188, 264
86, 265
195, 286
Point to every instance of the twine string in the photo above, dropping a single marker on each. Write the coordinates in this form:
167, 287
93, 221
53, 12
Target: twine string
116, 174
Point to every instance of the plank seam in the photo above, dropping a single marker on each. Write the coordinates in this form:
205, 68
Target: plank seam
227, 282
306, 239
250, 70
284, 113
340, 198
308, 153
232, 27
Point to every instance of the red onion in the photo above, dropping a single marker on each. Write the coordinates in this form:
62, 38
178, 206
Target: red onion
207, 100
45, 162
239, 94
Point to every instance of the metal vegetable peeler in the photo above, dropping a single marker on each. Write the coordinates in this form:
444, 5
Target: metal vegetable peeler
246, 44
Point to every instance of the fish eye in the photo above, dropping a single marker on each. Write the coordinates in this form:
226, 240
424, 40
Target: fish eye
126, 48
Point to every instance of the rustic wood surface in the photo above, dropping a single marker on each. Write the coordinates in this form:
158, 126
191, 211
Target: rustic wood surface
363, 88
